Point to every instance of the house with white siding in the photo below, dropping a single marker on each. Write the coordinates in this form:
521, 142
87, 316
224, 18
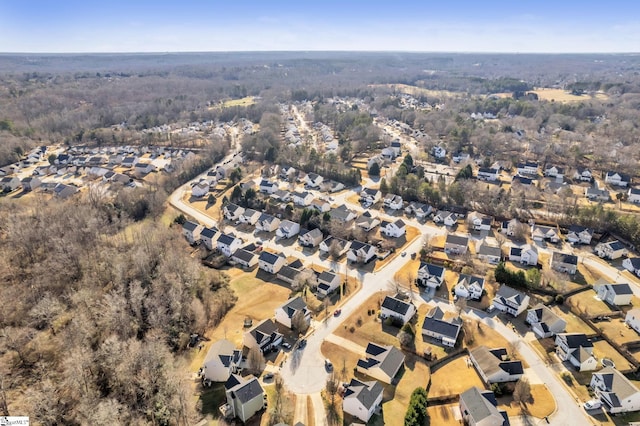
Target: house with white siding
494, 366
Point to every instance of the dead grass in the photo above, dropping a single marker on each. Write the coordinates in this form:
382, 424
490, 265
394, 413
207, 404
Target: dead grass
416, 374
370, 328
590, 275
401, 243
541, 404
617, 330
486, 336
586, 302
454, 378
408, 272
443, 415
574, 324
419, 91
602, 349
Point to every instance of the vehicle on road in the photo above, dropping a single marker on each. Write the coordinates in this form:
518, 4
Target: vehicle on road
285, 345
337, 312
404, 253
328, 365
302, 344
491, 308
592, 404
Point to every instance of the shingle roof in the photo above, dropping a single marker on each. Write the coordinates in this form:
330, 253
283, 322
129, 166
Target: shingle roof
226, 239
248, 390
490, 362
388, 358
617, 383
395, 305
244, 255
326, 277
481, 405
457, 240
365, 392
190, 226
270, 258
434, 321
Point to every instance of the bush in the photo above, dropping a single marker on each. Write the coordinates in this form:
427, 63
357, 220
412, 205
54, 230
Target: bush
359, 321
180, 219
408, 328
559, 299
352, 329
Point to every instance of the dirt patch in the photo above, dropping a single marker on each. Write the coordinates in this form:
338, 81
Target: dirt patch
444, 415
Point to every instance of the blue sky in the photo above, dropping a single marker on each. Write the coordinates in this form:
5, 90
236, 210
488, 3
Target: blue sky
190, 25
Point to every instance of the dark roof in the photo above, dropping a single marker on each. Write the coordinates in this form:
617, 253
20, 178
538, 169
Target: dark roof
507, 293
616, 245
569, 259
288, 272
435, 322
270, 258
578, 229
515, 251
488, 170
365, 392
190, 226
293, 305
481, 405
388, 358
226, 239
244, 255
326, 276
248, 391
396, 305
433, 270
576, 340
622, 288
208, 232
457, 240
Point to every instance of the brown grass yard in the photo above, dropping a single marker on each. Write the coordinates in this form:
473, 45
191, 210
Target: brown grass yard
574, 323
416, 374
541, 404
602, 349
408, 272
370, 328
443, 415
587, 303
617, 330
454, 378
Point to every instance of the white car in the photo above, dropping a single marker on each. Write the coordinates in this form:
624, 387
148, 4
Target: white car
592, 404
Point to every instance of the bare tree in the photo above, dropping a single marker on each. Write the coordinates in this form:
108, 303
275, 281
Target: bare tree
255, 360
522, 391
299, 322
333, 414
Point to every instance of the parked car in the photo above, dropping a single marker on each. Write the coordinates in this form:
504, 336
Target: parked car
285, 345
337, 312
592, 404
328, 365
267, 376
302, 344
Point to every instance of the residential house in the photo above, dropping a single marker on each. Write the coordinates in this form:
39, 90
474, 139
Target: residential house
285, 313
611, 250
430, 275
129, 161
228, 244
614, 294
342, 214
396, 146
488, 174
617, 393
510, 300
618, 179
302, 198
489, 251
510, 227
526, 254
579, 234
381, 362
320, 205
544, 233
393, 202
264, 336
191, 231
281, 195
632, 264
480, 222
143, 169
459, 157
270, 262
443, 330
563, 262
544, 322
232, 211
479, 408
287, 229
267, 223
554, 171
327, 282
493, 365
223, 360
208, 236
361, 399
633, 196
9, 183
633, 319
529, 168
583, 174
313, 180
245, 397
595, 194
200, 189
334, 186
446, 217
64, 191
456, 244
367, 221
341, 246
288, 274
469, 287
250, 216
30, 183
268, 187
398, 309
311, 238
245, 258
577, 349
522, 180
360, 252
420, 210
439, 152
288, 173
395, 229
370, 195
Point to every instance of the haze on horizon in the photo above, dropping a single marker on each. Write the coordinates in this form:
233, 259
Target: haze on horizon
39, 26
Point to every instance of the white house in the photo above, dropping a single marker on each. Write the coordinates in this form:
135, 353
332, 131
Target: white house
284, 314
439, 152
577, 349
611, 250
313, 180
460, 156
232, 211
528, 168
327, 283
617, 393
596, 194
311, 238
632, 264
488, 174
510, 227
393, 202
320, 205
510, 300
264, 336
554, 171
250, 216
288, 274
544, 233
394, 229
430, 275
618, 179
341, 246
360, 252
370, 195
342, 214
270, 262
633, 319
223, 360
493, 367
456, 244
228, 244
564, 262
361, 399
479, 408
614, 294
579, 234
268, 187
488, 250
583, 174
191, 231
469, 287
480, 222
544, 322
287, 229
634, 195
208, 236
302, 198
381, 362
526, 254
395, 308
367, 221
420, 210
245, 258
445, 217
267, 223
444, 331
245, 397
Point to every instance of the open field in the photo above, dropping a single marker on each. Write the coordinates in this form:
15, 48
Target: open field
454, 378
419, 91
483, 335
617, 330
560, 95
602, 349
587, 302
246, 101
407, 273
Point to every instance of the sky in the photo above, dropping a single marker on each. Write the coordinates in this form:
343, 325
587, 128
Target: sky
515, 26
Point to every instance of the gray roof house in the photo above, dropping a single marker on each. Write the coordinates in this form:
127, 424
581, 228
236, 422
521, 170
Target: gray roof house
361, 399
381, 362
456, 244
395, 308
617, 393
479, 408
494, 366
436, 327
544, 322
245, 397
